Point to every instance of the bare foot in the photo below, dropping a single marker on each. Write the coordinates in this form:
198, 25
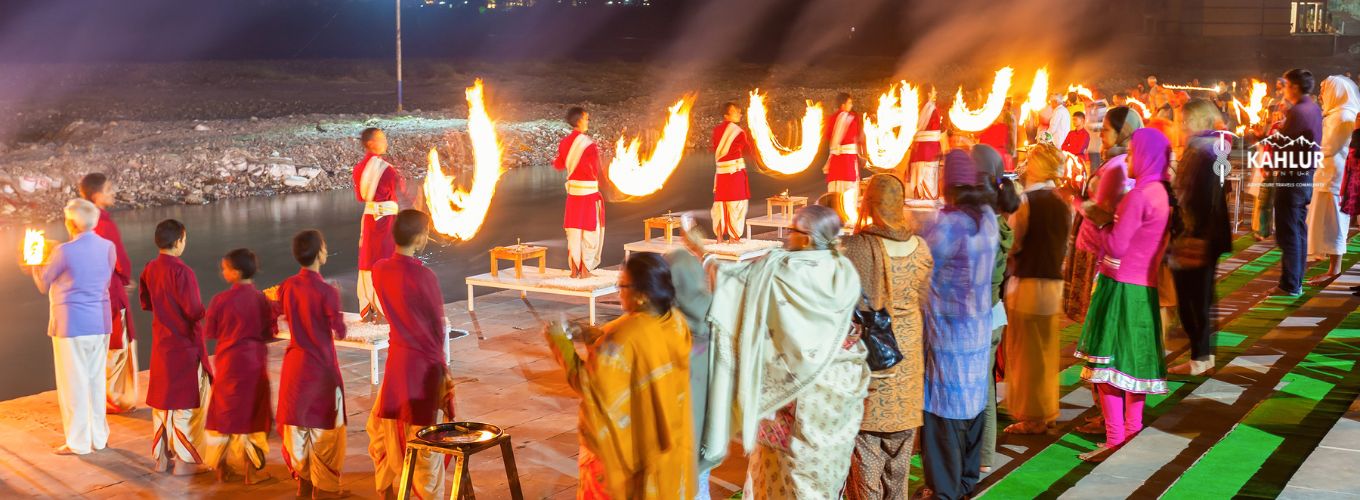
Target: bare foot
64, 450
1099, 454
1096, 425
254, 476
304, 488
1026, 428
586, 275
162, 463
320, 493
1322, 279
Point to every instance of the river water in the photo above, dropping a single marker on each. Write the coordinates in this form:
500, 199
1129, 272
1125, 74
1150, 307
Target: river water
528, 206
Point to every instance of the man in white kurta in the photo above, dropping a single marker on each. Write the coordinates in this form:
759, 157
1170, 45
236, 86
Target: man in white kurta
1059, 125
75, 277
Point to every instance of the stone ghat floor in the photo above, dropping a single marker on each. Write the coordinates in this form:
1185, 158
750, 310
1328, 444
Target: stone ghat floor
1278, 419
503, 372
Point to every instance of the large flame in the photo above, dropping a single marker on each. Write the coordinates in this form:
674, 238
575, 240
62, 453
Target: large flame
459, 213
1038, 95
976, 121
898, 109
772, 154
1255, 111
34, 247
1081, 90
1142, 108
634, 176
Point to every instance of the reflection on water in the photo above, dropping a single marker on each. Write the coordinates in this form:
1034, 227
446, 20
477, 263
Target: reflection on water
528, 206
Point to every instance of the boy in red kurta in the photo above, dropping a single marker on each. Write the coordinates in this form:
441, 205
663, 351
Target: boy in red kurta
846, 134
417, 390
242, 321
311, 392
584, 218
120, 373
179, 380
731, 190
377, 184
1078, 139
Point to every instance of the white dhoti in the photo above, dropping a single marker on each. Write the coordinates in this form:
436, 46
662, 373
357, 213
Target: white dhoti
1327, 225
79, 363
387, 446
236, 451
179, 433
317, 455
368, 296
925, 180
584, 247
729, 218
120, 375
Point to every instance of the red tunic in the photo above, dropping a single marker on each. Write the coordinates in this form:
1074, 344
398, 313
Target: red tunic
1076, 143
122, 276
170, 291
411, 384
585, 210
998, 136
375, 236
730, 186
242, 321
311, 372
925, 147
843, 166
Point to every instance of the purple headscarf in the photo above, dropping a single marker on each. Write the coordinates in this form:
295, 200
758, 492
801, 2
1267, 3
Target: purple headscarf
959, 169
1149, 155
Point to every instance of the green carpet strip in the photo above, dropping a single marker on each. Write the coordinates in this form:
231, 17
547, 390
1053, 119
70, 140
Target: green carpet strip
1259, 455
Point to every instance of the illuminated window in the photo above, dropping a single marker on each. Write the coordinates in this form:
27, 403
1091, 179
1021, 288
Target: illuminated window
1309, 17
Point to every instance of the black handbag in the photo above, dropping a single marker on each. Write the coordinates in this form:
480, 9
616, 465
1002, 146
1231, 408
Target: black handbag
876, 329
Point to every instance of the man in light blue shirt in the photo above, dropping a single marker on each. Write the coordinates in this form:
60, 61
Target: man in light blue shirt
75, 277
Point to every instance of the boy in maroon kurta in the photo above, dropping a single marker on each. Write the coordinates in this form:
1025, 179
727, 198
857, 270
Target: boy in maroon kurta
242, 321
311, 392
120, 374
417, 390
169, 291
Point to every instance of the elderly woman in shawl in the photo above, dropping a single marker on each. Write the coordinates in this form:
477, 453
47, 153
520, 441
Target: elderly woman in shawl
958, 331
788, 375
894, 268
636, 439
1034, 297
1327, 224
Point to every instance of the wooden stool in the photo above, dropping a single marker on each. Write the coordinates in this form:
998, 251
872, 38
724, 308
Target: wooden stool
518, 254
667, 223
786, 204
459, 439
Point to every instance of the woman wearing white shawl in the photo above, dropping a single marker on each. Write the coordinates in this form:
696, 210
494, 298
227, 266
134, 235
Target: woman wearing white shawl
1327, 224
787, 374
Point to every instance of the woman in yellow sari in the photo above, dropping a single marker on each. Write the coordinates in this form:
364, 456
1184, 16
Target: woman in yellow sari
635, 422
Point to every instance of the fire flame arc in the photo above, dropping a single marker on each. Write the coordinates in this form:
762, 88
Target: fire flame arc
634, 176
454, 212
775, 156
898, 109
34, 247
978, 120
1038, 95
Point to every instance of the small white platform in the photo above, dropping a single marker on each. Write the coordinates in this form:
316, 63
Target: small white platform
551, 281
372, 338
746, 250
777, 220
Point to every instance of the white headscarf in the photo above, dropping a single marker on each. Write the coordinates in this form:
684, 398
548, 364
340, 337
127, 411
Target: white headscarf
1340, 94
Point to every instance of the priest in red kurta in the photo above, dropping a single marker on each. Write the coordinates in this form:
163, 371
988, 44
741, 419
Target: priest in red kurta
311, 392
377, 184
179, 380
121, 390
924, 157
846, 141
417, 390
731, 190
584, 218
242, 321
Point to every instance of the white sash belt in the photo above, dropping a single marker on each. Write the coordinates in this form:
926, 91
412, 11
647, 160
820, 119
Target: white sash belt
380, 209
1112, 262
927, 136
731, 166
845, 149
582, 188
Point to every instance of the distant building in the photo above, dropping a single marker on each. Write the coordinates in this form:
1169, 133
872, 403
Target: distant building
1262, 28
